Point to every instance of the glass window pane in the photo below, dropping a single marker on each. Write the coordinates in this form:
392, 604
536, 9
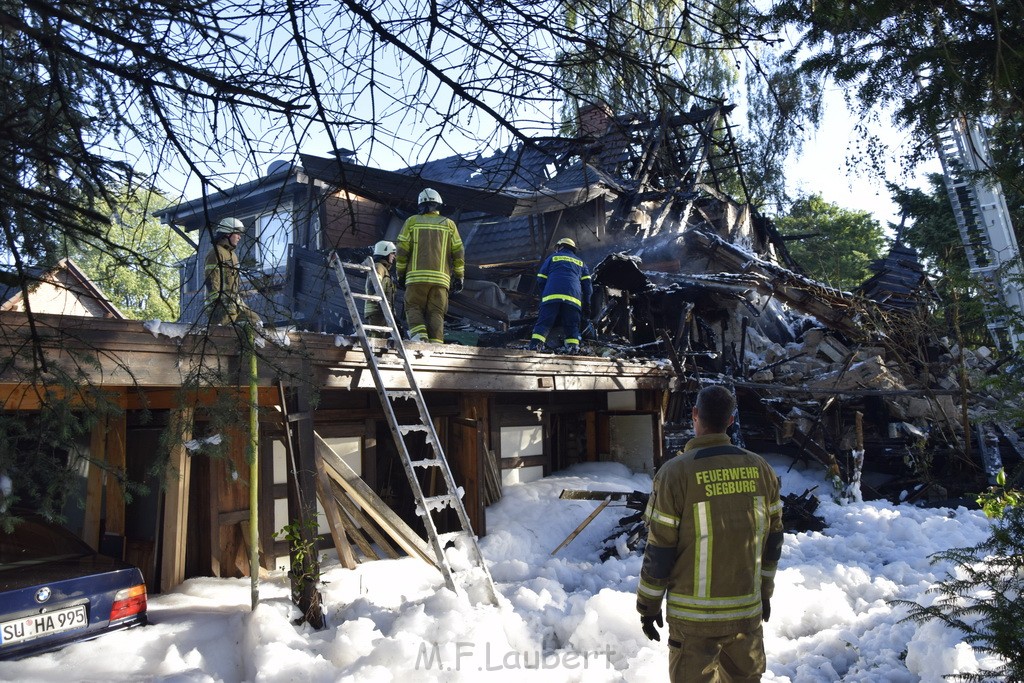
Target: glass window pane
274, 236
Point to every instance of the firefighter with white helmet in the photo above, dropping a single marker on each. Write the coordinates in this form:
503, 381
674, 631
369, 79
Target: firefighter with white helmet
566, 288
223, 279
431, 262
383, 258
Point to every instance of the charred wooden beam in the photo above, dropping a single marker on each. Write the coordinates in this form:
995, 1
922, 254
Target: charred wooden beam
828, 305
826, 391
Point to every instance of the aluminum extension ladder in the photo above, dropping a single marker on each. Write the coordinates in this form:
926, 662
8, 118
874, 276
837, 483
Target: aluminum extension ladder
983, 220
470, 574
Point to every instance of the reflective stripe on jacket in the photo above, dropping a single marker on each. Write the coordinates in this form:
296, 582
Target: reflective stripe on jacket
430, 250
715, 534
565, 278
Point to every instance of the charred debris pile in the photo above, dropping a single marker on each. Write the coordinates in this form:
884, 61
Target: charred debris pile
807, 362
818, 374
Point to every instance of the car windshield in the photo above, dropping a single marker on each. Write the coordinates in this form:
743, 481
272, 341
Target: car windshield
35, 540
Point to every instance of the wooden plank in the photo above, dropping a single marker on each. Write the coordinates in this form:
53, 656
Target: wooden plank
403, 535
171, 398
367, 526
527, 461
175, 526
493, 472
22, 396
334, 522
582, 526
351, 527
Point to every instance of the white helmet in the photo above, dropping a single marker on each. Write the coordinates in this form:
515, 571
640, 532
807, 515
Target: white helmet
384, 248
228, 226
430, 195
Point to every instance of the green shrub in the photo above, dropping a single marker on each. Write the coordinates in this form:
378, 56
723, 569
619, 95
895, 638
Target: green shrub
998, 498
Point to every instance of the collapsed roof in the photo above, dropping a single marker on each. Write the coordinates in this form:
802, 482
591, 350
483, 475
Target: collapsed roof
686, 272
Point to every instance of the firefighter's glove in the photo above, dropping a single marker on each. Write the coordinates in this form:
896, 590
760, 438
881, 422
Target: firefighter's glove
401, 282
648, 623
766, 609
456, 285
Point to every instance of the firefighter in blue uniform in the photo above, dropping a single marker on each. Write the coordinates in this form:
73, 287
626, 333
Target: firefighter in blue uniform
565, 284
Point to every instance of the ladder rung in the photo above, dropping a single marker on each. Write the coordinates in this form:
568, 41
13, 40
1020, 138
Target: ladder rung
427, 462
377, 328
433, 503
451, 537
367, 297
405, 429
402, 393
355, 266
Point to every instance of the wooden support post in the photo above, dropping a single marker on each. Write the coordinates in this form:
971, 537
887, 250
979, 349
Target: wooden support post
94, 487
214, 472
175, 529
470, 451
591, 420
112, 542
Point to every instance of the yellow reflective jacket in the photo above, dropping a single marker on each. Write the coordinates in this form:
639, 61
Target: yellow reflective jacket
715, 537
430, 250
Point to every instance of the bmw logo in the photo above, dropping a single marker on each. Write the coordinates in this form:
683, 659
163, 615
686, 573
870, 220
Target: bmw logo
43, 594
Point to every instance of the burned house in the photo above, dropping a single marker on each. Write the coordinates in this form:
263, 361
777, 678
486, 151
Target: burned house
692, 286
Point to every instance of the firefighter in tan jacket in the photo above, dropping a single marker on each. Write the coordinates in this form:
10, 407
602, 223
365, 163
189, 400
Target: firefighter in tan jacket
223, 279
431, 261
715, 538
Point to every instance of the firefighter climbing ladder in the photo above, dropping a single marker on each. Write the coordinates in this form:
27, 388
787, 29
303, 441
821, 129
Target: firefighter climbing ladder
983, 220
474, 579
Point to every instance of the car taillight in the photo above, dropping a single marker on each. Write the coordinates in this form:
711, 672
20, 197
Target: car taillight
128, 601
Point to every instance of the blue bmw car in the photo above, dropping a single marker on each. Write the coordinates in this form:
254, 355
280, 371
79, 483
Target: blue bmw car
55, 589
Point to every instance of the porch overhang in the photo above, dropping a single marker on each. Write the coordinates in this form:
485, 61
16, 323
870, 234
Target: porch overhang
146, 359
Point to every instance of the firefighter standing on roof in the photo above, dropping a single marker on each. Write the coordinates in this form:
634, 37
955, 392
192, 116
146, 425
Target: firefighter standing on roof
383, 259
715, 521
223, 280
566, 289
431, 261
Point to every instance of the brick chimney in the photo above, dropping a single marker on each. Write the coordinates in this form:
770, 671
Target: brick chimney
595, 119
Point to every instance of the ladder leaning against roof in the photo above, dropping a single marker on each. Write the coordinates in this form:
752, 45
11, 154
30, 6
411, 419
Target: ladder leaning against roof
473, 576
